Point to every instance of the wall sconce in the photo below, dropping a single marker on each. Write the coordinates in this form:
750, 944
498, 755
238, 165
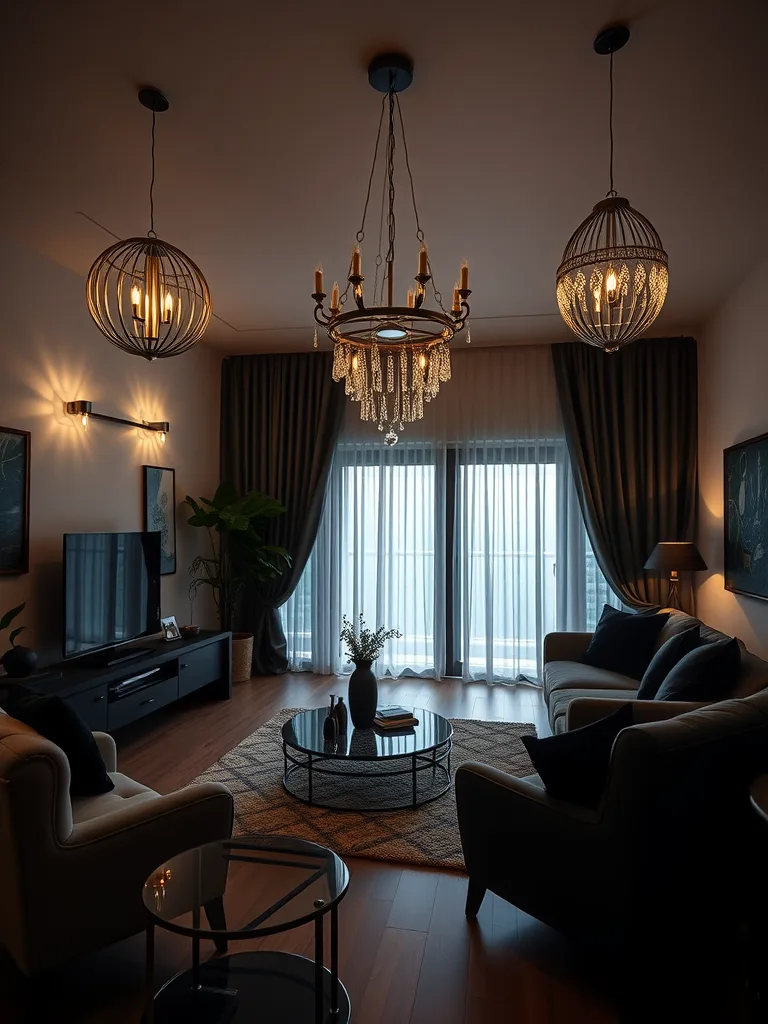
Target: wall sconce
84, 410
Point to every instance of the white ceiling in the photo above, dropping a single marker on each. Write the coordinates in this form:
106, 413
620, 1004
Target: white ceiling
264, 154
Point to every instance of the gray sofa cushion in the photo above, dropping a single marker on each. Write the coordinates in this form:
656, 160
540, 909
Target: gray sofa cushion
560, 699
560, 675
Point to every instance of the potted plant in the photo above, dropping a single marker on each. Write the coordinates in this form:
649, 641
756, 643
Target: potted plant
17, 661
239, 555
363, 648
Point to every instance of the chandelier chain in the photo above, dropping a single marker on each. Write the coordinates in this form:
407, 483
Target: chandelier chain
361, 231
611, 191
419, 232
391, 227
151, 231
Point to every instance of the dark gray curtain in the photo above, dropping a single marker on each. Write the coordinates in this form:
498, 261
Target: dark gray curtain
631, 427
280, 418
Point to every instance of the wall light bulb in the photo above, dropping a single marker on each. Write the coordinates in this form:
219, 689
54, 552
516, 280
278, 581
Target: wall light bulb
84, 421
161, 437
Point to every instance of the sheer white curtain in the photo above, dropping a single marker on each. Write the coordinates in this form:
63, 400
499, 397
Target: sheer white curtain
466, 536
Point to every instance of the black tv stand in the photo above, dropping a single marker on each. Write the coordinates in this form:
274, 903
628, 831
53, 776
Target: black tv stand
128, 683
113, 656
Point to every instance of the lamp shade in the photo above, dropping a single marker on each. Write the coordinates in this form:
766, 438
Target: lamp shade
677, 556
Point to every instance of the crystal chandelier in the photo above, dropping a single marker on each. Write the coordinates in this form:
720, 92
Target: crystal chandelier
145, 295
392, 358
612, 281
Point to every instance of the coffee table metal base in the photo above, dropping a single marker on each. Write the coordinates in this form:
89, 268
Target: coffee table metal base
391, 784
264, 986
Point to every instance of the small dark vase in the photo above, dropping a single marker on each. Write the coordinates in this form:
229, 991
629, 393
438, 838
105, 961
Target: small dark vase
19, 662
363, 695
330, 725
342, 718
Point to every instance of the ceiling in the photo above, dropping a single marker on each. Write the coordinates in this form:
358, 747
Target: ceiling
263, 157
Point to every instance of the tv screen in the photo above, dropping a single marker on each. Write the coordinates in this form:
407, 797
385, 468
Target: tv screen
111, 589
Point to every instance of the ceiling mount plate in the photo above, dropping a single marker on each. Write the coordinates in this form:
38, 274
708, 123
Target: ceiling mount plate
153, 100
390, 71
611, 39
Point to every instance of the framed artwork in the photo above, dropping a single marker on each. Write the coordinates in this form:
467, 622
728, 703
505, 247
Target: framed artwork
170, 628
14, 501
745, 471
160, 512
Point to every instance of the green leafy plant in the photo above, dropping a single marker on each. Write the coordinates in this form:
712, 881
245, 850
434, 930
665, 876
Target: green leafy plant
239, 554
364, 644
8, 618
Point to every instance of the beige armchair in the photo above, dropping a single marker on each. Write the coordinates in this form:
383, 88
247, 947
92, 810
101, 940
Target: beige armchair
72, 870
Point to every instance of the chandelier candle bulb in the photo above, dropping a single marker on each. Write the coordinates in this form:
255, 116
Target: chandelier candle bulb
335, 295
411, 298
456, 299
318, 280
464, 279
136, 303
356, 262
423, 261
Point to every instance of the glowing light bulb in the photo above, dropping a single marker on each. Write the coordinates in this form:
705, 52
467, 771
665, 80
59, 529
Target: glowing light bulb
596, 294
136, 302
161, 437
168, 308
354, 363
84, 421
610, 285
422, 361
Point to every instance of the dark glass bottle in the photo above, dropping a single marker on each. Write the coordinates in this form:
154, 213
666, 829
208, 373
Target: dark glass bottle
330, 725
342, 717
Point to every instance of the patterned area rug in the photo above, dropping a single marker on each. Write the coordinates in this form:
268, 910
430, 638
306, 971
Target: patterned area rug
427, 835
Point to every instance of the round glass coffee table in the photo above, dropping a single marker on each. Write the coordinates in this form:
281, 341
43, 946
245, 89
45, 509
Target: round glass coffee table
244, 889
367, 769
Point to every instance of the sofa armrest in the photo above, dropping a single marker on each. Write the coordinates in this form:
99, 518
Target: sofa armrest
107, 749
586, 710
565, 646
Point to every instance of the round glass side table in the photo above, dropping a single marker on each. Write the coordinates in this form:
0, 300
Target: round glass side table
243, 889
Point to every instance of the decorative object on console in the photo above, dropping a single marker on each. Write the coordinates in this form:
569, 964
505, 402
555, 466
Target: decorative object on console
612, 280
14, 501
672, 557
392, 358
160, 512
363, 648
85, 412
148, 297
170, 628
17, 661
745, 502
239, 557
342, 717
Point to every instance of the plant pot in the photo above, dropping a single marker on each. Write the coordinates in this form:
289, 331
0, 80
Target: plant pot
363, 695
19, 662
242, 657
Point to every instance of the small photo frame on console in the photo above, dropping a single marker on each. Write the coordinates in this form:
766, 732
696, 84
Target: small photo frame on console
170, 628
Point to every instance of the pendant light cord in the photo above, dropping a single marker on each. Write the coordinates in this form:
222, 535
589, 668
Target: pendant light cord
611, 191
151, 231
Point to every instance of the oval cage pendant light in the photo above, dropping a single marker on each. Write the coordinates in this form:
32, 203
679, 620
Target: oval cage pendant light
612, 281
145, 295
392, 358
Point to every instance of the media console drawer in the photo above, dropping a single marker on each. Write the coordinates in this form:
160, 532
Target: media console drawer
199, 668
143, 702
91, 705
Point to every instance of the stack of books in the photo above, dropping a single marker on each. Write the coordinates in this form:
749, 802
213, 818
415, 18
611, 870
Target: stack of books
395, 718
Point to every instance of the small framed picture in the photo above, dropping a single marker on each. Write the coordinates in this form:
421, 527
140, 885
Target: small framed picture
170, 628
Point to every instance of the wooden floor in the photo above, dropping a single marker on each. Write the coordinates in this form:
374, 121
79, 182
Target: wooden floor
407, 953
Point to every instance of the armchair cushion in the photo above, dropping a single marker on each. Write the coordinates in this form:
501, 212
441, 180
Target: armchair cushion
52, 718
624, 641
125, 793
664, 660
708, 673
574, 765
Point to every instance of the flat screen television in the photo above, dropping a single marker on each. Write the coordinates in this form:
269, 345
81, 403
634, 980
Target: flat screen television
111, 590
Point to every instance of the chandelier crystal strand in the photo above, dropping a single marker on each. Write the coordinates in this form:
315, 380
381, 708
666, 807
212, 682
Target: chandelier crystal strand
613, 278
413, 338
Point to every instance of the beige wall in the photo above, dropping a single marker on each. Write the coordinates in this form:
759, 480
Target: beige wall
50, 353
733, 405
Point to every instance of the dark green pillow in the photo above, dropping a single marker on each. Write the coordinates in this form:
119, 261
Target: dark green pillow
624, 641
58, 722
574, 765
711, 672
664, 660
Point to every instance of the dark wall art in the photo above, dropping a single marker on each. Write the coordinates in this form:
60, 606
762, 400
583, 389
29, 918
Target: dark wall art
746, 517
160, 512
14, 501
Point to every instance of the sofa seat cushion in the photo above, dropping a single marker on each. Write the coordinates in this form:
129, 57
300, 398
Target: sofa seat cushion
127, 793
560, 699
565, 675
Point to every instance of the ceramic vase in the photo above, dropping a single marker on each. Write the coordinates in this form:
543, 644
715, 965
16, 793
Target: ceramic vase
363, 695
19, 662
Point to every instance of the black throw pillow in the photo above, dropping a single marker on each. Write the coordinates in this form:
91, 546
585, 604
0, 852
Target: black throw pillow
58, 722
664, 660
711, 672
624, 641
574, 765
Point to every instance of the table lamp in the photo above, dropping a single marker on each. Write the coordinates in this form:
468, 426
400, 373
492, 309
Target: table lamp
673, 557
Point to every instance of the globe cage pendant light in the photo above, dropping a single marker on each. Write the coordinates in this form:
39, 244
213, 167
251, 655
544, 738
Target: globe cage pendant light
145, 295
612, 280
392, 358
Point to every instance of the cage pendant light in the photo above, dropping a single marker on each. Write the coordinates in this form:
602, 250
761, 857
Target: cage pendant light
612, 280
145, 295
